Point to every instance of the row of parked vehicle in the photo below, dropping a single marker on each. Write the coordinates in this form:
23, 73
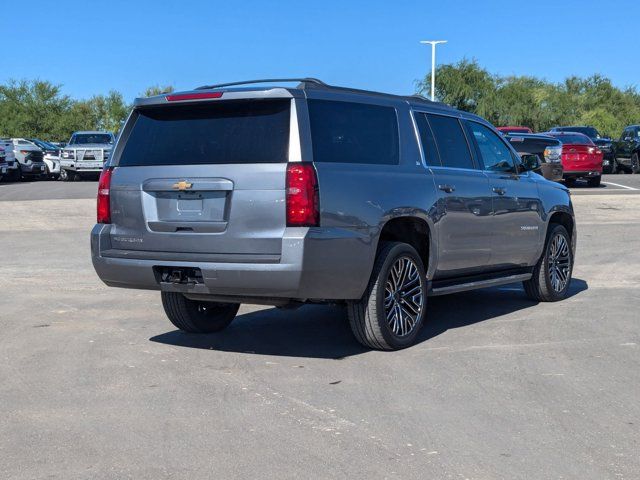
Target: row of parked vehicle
32, 158
573, 152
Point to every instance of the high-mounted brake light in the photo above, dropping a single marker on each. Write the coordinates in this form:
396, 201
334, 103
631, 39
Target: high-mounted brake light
303, 206
104, 203
193, 96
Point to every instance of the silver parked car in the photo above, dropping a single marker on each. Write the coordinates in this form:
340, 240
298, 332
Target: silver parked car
28, 158
320, 194
85, 155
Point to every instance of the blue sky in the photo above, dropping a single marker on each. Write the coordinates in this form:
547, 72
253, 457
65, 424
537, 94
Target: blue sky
371, 44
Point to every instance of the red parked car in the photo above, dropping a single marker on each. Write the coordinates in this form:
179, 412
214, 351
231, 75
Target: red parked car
581, 158
506, 130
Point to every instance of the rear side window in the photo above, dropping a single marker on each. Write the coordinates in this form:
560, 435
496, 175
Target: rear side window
428, 141
452, 144
345, 132
213, 133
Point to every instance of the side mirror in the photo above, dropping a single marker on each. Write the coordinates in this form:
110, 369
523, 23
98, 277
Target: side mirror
530, 162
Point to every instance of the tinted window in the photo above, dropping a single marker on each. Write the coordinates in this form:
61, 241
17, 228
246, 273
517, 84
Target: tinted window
353, 132
452, 144
495, 155
573, 139
428, 141
224, 132
87, 138
588, 131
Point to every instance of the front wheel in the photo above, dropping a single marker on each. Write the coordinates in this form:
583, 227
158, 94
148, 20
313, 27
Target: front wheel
391, 312
65, 176
552, 274
198, 317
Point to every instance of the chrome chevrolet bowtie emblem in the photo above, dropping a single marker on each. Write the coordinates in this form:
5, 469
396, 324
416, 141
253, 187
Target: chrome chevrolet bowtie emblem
182, 185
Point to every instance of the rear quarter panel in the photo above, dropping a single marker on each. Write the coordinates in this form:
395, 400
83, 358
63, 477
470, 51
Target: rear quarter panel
362, 198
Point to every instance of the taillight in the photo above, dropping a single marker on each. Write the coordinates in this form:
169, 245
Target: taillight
193, 96
104, 204
303, 206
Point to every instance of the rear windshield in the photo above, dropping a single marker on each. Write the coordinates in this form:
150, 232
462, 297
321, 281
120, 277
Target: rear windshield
574, 139
214, 133
588, 131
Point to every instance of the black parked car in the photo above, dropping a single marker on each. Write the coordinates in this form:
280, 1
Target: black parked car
605, 144
548, 150
628, 149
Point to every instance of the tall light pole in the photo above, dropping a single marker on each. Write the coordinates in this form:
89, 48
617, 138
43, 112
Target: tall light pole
433, 65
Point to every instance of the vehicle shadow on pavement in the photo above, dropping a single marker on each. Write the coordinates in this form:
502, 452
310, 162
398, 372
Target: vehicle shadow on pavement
317, 331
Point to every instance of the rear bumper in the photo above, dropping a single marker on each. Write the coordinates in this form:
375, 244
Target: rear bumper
581, 173
315, 264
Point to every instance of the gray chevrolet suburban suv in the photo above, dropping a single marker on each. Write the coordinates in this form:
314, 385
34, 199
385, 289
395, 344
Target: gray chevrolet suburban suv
233, 194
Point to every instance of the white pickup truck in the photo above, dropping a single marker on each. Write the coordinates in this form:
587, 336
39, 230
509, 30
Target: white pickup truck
85, 155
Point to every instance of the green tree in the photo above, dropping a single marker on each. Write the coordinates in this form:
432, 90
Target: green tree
157, 90
465, 86
533, 102
108, 111
32, 109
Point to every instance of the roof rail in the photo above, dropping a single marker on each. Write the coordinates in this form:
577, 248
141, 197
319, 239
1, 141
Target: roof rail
309, 82
304, 80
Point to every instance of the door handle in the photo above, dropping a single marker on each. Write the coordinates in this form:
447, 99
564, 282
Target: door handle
499, 191
447, 188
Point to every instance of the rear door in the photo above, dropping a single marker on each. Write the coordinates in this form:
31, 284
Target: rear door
517, 209
464, 224
203, 177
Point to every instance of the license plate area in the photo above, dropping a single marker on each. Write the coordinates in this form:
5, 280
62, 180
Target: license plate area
178, 275
191, 206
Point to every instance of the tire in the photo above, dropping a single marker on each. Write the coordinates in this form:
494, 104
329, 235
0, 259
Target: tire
635, 163
615, 168
198, 317
406, 305
570, 182
67, 176
594, 181
17, 174
542, 287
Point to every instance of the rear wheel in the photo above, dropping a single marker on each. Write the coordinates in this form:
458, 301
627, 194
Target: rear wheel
594, 181
552, 274
391, 312
198, 317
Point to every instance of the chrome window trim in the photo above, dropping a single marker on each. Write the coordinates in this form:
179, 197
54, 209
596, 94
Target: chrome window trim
295, 150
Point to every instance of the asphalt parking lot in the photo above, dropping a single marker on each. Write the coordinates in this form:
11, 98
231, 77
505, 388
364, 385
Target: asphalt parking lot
96, 383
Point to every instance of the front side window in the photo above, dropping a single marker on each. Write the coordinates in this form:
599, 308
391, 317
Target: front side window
452, 144
345, 132
495, 155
